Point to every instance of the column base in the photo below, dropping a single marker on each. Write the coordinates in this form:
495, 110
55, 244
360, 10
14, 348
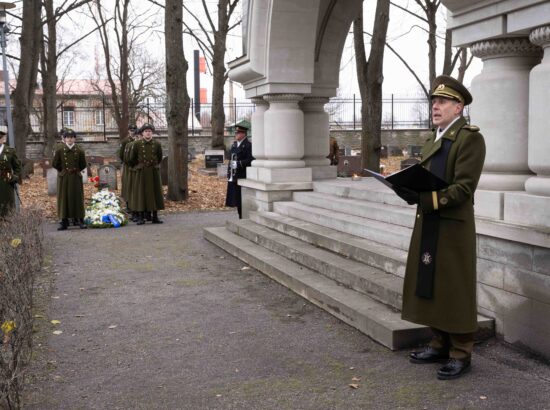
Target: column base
538, 186
526, 209
323, 172
489, 204
503, 182
278, 175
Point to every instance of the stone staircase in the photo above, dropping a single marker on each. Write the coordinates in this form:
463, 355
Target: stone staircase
343, 247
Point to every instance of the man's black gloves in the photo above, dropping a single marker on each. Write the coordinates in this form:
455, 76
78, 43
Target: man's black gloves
408, 195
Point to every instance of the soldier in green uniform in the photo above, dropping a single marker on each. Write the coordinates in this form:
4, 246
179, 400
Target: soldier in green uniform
10, 175
125, 173
439, 290
70, 161
145, 156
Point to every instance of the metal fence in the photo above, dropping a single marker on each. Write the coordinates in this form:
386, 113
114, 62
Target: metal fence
94, 117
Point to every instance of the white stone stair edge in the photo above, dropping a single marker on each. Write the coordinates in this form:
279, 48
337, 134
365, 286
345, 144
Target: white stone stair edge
373, 192
384, 233
371, 317
362, 250
365, 209
384, 287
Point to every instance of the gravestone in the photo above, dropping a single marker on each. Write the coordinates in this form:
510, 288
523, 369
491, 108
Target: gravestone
191, 153
414, 150
395, 151
347, 151
222, 171
409, 162
213, 157
107, 177
164, 170
45, 164
51, 175
349, 165
85, 174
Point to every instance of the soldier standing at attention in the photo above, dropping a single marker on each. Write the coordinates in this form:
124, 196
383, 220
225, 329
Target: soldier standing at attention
124, 179
145, 156
10, 174
69, 160
240, 157
439, 290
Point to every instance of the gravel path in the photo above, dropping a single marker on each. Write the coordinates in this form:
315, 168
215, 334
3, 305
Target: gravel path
155, 317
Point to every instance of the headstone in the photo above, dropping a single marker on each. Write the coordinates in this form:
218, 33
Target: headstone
164, 170
222, 171
192, 153
213, 157
347, 151
349, 165
45, 164
85, 172
414, 150
51, 176
409, 162
395, 151
107, 177
384, 151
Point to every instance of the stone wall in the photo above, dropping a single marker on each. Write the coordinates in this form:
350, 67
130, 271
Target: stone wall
198, 143
513, 283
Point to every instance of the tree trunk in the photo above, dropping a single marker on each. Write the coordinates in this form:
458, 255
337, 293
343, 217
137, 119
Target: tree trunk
370, 76
49, 80
31, 34
432, 41
447, 61
177, 109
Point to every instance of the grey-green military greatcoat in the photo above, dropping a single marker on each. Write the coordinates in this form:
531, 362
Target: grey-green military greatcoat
453, 307
145, 158
10, 172
69, 162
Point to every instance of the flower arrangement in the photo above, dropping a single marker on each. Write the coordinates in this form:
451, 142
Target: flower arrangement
95, 180
105, 211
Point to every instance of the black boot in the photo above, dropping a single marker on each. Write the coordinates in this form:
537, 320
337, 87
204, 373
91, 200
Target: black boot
64, 225
82, 224
75, 222
148, 216
134, 217
155, 218
140, 220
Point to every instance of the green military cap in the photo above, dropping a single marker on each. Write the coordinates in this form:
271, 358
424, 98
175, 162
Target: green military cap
447, 87
147, 127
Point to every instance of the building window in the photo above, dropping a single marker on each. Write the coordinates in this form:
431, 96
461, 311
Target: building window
68, 116
99, 117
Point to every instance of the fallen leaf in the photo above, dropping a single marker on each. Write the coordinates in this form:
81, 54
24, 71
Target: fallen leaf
55, 297
8, 327
245, 268
15, 242
55, 322
354, 386
483, 397
218, 395
57, 332
112, 326
352, 368
39, 316
355, 379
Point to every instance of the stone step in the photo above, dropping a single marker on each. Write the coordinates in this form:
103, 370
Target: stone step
376, 283
371, 317
377, 231
368, 189
396, 215
371, 253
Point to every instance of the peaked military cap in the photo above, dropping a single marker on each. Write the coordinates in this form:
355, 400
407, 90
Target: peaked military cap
69, 133
448, 87
132, 127
241, 128
147, 126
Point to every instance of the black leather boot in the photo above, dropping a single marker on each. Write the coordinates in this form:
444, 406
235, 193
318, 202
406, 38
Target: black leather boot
64, 225
81, 224
148, 216
155, 219
428, 355
453, 369
140, 220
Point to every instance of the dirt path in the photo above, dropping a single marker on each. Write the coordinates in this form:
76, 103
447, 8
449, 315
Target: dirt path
155, 317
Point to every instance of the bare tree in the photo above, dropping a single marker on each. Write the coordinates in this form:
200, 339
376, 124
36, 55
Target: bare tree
49, 58
23, 96
370, 76
177, 107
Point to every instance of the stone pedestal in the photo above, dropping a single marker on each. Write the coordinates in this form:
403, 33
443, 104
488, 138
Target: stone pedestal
258, 141
316, 137
501, 108
539, 117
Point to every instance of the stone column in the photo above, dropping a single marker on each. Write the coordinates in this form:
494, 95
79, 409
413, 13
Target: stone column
258, 136
501, 107
539, 117
316, 137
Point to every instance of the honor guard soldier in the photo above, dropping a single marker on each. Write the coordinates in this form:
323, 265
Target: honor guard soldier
10, 175
240, 157
125, 172
439, 290
69, 160
145, 156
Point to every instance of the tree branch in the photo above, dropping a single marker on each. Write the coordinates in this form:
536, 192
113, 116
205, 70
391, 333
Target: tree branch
408, 11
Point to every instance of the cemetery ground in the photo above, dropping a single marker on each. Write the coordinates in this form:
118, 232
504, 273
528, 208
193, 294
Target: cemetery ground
156, 317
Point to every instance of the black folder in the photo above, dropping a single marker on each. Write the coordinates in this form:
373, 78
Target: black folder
416, 178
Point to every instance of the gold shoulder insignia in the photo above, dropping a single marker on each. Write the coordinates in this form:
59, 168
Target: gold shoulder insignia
473, 128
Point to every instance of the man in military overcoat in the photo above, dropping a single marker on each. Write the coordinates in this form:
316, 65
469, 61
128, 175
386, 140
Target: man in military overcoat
240, 157
10, 175
440, 280
69, 160
145, 156
125, 172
